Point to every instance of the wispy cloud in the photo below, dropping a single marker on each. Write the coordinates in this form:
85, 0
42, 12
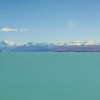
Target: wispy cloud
8, 29
23, 29
12, 29
72, 24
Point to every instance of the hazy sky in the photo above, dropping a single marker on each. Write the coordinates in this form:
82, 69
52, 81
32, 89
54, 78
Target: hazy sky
25, 21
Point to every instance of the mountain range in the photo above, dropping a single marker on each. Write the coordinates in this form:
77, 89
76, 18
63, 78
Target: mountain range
87, 46
6, 45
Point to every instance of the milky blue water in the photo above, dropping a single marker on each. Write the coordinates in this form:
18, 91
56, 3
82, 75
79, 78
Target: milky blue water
50, 76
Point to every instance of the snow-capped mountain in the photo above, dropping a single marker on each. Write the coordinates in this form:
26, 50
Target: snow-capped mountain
77, 43
6, 45
39, 44
90, 43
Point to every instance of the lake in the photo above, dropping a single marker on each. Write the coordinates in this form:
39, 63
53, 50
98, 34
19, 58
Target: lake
49, 76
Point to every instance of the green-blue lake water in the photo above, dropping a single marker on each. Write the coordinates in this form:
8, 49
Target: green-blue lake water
50, 76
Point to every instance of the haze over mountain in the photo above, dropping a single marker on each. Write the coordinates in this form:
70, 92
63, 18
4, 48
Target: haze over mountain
6, 45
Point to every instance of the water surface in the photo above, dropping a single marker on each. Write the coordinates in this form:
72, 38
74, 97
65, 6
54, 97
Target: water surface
49, 76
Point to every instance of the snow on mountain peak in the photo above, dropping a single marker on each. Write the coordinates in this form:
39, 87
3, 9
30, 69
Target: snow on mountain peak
90, 43
77, 43
7, 43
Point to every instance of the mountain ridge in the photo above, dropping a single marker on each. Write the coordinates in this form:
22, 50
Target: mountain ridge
6, 45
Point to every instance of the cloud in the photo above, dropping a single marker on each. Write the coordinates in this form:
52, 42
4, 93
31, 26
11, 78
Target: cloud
24, 29
12, 29
72, 24
8, 30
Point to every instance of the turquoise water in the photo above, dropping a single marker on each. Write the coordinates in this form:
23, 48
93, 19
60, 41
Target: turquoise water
50, 76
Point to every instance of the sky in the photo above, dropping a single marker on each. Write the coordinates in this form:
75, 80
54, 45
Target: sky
50, 21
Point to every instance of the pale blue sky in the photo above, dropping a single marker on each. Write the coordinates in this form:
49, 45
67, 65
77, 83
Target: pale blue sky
25, 21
